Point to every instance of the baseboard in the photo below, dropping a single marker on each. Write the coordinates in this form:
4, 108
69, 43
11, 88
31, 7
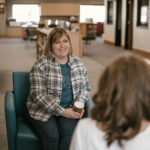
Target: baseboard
3, 36
122, 46
141, 52
135, 50
109, 42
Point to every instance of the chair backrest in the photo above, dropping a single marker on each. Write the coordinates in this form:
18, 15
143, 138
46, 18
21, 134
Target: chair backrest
27, 33
21, 87
99, 28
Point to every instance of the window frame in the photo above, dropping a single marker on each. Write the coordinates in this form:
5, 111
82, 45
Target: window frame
140, 4
110, 12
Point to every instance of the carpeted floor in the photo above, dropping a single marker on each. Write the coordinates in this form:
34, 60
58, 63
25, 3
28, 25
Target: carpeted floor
19, 55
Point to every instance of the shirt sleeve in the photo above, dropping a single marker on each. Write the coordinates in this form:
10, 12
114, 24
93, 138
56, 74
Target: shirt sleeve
38, 92
85, 94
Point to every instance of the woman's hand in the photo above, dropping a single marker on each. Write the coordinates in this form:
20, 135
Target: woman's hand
69, 113
82, 113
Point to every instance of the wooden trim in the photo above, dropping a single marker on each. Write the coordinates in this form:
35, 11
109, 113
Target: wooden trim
122, 46
141, 52
109, 42
3, 36
80, 46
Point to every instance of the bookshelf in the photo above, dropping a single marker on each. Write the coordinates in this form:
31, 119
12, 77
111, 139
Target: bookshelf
88, 27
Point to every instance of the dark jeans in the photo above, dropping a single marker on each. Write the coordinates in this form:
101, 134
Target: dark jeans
55, 134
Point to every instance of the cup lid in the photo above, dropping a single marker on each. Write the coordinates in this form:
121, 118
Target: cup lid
79, 104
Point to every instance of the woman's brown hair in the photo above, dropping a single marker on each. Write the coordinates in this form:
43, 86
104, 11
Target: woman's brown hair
123, 98
55, 35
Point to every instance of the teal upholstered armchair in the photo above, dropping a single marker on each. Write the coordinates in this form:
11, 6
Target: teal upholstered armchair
19, 134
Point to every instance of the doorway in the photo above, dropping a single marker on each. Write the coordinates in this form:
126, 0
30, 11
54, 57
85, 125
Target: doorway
129, 25
118, 22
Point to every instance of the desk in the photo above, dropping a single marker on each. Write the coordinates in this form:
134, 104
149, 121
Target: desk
14, 31
31, 29
19, 31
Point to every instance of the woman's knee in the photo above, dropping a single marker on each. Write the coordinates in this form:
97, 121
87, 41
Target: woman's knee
67, 126
50, 143
49, 135
51, 130
52, 136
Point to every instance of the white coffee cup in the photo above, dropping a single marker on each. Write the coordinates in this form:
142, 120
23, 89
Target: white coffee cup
78, 106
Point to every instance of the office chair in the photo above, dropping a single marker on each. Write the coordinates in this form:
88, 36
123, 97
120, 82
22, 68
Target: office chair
30, 34
87, 44
27, 34
19, 134
88, 37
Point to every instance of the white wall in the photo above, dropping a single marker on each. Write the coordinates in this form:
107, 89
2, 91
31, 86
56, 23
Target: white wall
123, 22
109, 29
141, 36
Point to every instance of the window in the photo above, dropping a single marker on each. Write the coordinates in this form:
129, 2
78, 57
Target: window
142, 14
26, 12
109, 12
96, 13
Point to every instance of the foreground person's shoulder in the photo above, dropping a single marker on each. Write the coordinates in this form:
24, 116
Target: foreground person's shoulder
86, 121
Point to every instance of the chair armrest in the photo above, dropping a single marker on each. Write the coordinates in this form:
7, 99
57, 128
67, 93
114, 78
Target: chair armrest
88, 107
10, 116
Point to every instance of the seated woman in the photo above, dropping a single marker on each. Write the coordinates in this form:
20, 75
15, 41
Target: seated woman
57, 80
121, 113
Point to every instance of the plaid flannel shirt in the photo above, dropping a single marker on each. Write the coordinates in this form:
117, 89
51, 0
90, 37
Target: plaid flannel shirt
46, 87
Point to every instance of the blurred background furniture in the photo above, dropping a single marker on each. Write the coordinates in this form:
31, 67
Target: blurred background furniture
99, 28
19, 134
88, 37
88, 27
30, 33
27, 34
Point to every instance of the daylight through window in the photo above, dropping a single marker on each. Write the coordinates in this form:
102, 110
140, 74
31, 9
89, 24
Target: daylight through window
96, 13
27, 12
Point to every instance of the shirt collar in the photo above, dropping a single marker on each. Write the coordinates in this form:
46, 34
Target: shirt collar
56, 63
70, 60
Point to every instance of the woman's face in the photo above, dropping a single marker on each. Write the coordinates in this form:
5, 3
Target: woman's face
61, 48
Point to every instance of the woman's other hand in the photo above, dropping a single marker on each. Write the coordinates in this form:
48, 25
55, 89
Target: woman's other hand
69, 113
82, 113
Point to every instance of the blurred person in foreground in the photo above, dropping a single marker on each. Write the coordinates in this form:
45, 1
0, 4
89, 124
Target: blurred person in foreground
57, 80
121, 113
